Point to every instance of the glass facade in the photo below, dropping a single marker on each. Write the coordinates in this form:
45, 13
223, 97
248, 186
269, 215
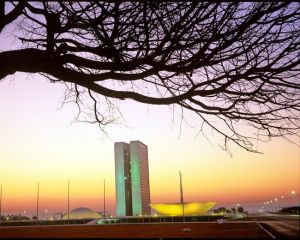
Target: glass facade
132, 179
140, 178
123, 179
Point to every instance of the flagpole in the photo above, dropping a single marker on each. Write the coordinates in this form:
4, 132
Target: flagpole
104, 199
37, 201
68, 200
181, 195
1, 205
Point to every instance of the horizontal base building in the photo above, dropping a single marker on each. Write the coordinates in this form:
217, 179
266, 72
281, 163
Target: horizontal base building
176, 209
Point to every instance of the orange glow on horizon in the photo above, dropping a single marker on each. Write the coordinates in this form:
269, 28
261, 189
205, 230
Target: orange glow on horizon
43, 146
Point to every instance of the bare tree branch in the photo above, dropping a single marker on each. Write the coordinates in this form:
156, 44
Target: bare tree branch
238, 63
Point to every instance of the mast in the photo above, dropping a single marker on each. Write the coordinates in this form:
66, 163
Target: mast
68, 200
104, 199
181, 195
37, 201
0, 204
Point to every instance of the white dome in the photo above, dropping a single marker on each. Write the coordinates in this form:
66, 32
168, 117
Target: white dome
82, 213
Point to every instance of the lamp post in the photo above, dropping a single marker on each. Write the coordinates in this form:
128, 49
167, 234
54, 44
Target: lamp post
270, 205
282, 200
276, 200
293, 193
237, 208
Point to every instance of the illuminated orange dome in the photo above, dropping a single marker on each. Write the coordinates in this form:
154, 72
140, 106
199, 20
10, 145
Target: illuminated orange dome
175, 209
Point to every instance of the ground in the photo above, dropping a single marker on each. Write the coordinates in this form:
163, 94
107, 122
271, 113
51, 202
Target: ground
255, 226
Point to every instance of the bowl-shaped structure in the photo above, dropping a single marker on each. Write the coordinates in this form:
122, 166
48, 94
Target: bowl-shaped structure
82, 213
175, 209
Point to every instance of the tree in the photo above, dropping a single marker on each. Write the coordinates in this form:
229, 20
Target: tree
240, 209
228, 211
219, 210
233, 210
234, 62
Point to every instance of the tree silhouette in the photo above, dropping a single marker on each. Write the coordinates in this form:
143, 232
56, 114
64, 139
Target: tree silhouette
240, 209
233, 210
236, 62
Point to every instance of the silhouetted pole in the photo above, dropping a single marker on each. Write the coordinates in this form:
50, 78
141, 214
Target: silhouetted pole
37, 201
104, 199
181, 195
68, 199
0, 205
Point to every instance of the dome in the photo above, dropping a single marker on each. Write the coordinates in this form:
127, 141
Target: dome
82, 213
175, 209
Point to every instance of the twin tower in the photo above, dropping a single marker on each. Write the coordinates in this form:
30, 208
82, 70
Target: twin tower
132, 179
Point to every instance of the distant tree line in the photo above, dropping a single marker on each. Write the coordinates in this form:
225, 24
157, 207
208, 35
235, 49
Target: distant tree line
233, 210
11, 217
290, 210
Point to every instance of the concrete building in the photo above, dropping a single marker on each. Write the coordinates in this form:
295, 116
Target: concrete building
123, 179
132, 179
140, 188
81, 213
176, 209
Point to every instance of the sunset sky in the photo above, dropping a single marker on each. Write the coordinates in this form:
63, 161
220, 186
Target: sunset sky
39, 142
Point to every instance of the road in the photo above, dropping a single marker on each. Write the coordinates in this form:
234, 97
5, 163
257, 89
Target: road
147, 230
277, 226
254, 226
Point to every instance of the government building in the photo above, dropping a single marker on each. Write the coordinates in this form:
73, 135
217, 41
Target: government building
132, 179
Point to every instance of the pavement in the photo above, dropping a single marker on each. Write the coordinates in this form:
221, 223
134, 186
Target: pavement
254, 226
282, 229
147, 230
276, 225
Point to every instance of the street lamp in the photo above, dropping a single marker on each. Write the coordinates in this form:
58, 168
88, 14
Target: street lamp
276, 200
293, 192
24, 217
268, 206
237, 208
282, 201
